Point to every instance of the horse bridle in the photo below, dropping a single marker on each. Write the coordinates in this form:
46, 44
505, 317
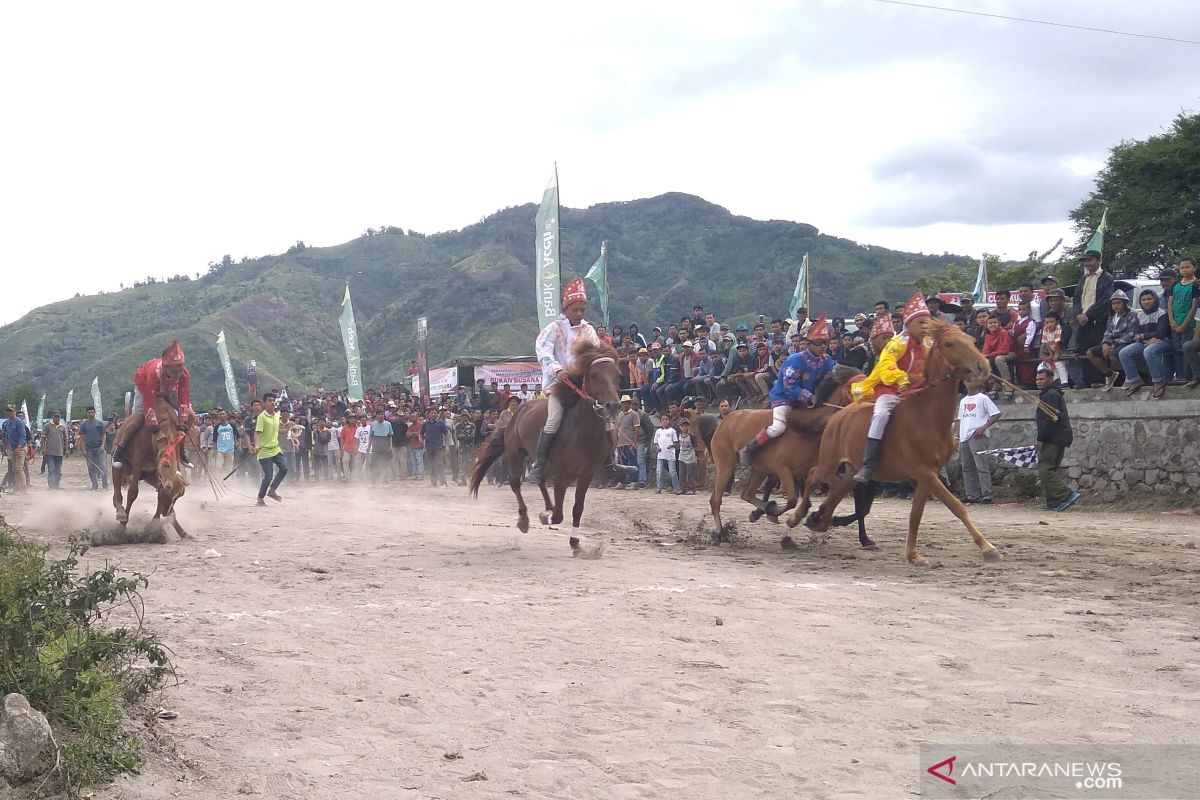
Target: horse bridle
937, 342
597, 408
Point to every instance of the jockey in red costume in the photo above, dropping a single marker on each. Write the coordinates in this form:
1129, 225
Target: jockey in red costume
165, 377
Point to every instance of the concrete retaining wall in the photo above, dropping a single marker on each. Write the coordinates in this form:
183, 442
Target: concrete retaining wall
1121, 445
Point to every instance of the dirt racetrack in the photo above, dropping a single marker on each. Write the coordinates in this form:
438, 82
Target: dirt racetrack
408, 642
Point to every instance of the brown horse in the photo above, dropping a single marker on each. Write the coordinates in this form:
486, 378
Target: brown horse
153, 457
918, 441
786, 460
591, 402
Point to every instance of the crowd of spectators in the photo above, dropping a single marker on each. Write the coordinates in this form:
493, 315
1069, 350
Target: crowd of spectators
671, 373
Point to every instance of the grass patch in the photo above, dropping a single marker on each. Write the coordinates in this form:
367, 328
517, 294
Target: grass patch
58, 649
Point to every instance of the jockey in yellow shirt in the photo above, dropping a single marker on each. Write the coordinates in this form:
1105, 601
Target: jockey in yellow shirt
900, 365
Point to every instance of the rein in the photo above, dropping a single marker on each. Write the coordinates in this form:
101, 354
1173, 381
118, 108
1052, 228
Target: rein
170, 448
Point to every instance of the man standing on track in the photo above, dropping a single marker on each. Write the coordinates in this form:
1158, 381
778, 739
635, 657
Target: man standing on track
266, 447
92, 431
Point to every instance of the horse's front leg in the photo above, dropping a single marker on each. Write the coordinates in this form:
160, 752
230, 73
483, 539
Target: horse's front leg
581, 489
560, 492
118, 500
130, 496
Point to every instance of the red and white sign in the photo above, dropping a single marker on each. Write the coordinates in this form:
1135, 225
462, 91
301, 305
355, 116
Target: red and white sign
514, 373
441, 381
956, 297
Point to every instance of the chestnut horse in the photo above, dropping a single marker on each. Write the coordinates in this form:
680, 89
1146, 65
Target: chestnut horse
786, 459
591, 401
917, 443
153, 457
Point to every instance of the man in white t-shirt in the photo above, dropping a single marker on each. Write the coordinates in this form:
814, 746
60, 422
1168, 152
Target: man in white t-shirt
667, 441
976, 413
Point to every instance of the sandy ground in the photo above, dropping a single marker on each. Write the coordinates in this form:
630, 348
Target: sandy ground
411, 643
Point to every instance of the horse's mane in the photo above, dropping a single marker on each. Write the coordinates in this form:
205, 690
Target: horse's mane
584, 353
938, 329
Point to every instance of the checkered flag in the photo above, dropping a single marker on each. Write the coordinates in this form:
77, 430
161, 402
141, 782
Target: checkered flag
1021, 457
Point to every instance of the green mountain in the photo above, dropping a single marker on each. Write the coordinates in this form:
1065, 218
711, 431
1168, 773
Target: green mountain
667, 254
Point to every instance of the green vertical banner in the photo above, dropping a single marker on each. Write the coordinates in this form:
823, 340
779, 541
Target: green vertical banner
96, 397
1097, 241
41, 413
548, 287
598, 275
979, 293
227, 367
354, 387
70, 401
800, 295
423, 359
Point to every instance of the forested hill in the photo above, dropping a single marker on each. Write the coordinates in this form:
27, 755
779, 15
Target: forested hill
668, 253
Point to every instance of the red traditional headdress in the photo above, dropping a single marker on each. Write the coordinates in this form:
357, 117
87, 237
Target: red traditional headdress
574, 292
819, 332
883, 326
173, 355
915, 308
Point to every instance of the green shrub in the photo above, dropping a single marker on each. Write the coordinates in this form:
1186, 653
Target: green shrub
58, 651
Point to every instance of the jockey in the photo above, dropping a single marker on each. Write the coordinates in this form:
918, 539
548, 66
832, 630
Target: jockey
900, 364
796, 384
164, 377
554, 352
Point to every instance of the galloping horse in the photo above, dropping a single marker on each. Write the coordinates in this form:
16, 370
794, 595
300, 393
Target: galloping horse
153, 456
591, 401
786, 460
918, 441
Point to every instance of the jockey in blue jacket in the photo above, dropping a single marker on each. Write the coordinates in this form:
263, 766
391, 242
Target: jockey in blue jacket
796, 385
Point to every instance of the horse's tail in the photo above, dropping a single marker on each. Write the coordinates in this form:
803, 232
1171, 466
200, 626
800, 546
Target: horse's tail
485, 455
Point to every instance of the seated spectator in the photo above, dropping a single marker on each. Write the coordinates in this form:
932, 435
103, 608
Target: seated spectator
1117, 334
1002, 312
764, 377
1051, 351
966, 312
739, 367
934, 304
748, 383
997, 347
1151, 341
978, 327
1024, 332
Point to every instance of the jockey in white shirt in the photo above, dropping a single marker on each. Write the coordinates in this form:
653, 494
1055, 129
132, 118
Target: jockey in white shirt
554, 352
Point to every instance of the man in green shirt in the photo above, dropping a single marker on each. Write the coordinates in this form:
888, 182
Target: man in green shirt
266, 447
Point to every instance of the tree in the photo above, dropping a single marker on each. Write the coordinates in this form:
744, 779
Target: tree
1150, 190
25, 393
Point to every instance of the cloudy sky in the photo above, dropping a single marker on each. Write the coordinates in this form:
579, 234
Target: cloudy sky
150, 138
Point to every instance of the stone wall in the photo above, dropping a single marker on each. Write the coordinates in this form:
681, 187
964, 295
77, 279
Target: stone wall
1121, 445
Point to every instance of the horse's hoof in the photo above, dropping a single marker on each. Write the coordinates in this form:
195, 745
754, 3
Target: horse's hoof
918, 561
544, 517
772, 509
773, 519
574, 544
788, 543
869, 545
756, 515
122, 517
793, 520
523, 524
992, 555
